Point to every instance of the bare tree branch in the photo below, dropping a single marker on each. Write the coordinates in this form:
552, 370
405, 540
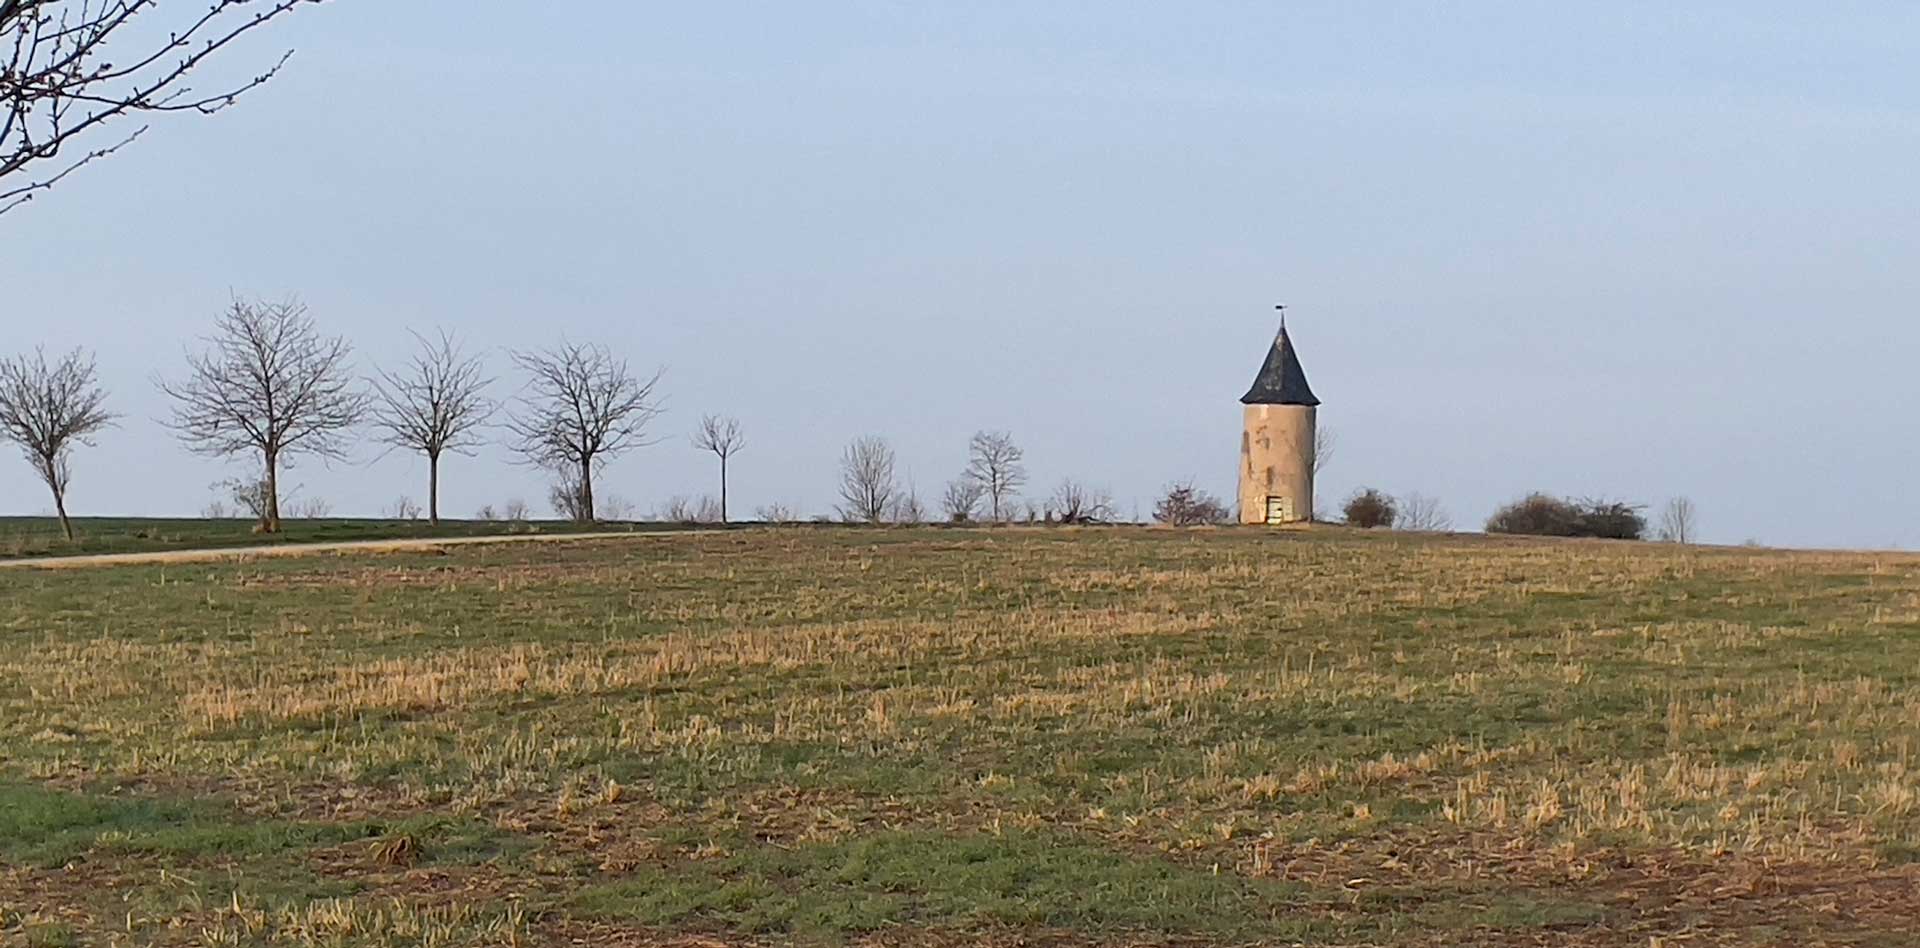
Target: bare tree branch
581, 407
1325, 439
58, 84
46, 409
436, 404
721, 437
269, 384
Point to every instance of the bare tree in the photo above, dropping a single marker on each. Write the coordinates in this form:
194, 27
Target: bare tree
1184, 505
617, 508
1421, 513
268, 384
244, 495
997, 465
437, 404
71, 68
1677, 521
581, 408
866, 480
721, 436
1074, 502
962, 499
1325, 439
313, 508
906, 507
565, 495
46, 409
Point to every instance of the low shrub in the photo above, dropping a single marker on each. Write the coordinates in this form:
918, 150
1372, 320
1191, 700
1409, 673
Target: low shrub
1371, 509
1187, 506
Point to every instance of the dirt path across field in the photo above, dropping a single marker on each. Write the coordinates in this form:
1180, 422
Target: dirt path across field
306, 549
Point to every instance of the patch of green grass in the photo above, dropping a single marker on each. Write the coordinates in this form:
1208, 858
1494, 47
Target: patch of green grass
52, 827
920, 878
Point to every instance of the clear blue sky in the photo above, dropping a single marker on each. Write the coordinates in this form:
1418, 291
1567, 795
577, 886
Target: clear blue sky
1615, 249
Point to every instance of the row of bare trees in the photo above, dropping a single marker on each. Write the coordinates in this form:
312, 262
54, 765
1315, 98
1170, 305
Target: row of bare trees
870, 491
267, 385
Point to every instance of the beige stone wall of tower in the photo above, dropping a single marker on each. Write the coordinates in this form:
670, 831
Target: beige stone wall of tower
1276, 463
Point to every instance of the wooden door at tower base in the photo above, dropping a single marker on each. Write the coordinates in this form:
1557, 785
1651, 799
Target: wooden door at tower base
1279, 509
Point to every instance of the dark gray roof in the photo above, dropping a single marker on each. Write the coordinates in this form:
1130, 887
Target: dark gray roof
1281, 380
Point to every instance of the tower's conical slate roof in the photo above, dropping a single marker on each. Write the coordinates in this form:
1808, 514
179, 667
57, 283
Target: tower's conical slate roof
1281, 380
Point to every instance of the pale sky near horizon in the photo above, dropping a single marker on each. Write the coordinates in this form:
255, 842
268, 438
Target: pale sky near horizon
1616, 249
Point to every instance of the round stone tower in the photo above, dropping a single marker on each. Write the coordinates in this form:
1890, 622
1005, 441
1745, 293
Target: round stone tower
1277, 440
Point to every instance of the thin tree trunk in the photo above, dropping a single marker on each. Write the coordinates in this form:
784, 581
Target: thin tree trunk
723, 489
585, 512
60, 507
270, 518
433, 489
50, 473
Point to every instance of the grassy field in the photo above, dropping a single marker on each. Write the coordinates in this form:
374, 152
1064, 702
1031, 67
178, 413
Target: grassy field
932, 737
40, 536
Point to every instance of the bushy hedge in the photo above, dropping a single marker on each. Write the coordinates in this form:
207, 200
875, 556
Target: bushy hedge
1544, 515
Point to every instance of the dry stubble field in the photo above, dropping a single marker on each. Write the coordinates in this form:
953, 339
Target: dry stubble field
948, 737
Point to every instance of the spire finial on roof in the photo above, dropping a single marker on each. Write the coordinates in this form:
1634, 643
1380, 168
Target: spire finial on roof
1282, 307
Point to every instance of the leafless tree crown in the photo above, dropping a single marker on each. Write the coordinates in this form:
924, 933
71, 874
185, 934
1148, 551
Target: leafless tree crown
1074, 502
1184, 505
962, 499
438, 403
1419, 512
268, 383
906, 507
70, 68
46, 409
997, 465
582, 407
720, 435
1677, 521
867, 484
